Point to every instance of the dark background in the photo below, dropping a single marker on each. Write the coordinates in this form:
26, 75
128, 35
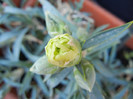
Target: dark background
121, 8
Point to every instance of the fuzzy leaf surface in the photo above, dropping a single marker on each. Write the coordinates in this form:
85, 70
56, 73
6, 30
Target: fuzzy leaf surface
42, 66
47, 6
87, 79
55, 79
107, 37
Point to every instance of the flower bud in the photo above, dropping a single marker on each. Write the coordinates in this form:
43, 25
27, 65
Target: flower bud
63, 50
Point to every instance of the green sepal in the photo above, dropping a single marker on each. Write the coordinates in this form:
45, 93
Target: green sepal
86, 79
42, 66
55, 25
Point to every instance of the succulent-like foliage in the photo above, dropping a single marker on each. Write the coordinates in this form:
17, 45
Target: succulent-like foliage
34, 72
64, 51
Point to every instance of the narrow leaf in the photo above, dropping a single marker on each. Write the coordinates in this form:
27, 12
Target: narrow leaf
17, 44
121, 93
107, 36
8, 36
13, 63
102, 69
96, 92
26, 83
28, 54
98, 30
14, 10
55, 79
42, 85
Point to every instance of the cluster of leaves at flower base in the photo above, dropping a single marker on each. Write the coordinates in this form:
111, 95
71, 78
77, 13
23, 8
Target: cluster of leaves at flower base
22, 41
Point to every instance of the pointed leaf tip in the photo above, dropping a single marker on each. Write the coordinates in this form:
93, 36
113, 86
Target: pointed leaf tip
86, 79
42, 66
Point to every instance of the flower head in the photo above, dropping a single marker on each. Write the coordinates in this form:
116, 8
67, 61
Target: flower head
63, 50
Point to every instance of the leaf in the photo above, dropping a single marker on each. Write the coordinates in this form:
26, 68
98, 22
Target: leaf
15, 13
11, 83
117, 81
55, 79
61, 95
17, 44
120, 94
4, 90
36, 12
87, 79
96, 92
98, 31
106, 56
78, 95
16, 64
42, 66
107, 37
3, 18
29, 55
102, 69
41, 47
70, 89
55, 25
34, 93
49, 7
113, 54
42, 85
14, 10
26, 83
128, 71
8, 36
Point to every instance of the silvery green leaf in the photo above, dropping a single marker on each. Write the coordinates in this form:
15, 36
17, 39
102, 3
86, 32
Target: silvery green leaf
102, 69
42, 66
87, 79
55, 25
17, 43
11, 82
28, 54
107, 37
55, 79
10, 63
3, 18
13, 10
98, 30
47, 6
96, 92
7, 37
42, 85
71, 88
34, 93
26, 83
78, 95
120, 94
